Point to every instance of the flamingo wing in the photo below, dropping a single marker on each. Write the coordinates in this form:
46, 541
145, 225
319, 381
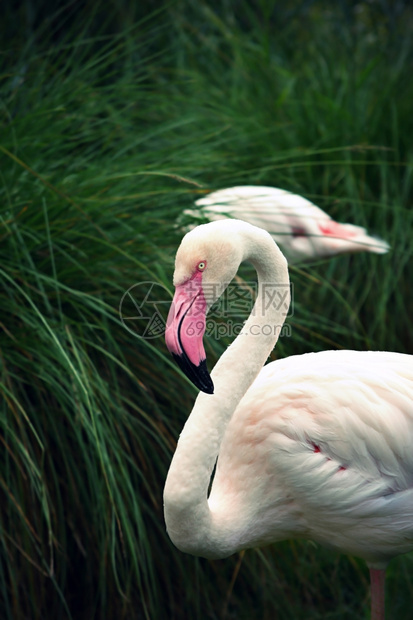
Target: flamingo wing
302, 229
331, 431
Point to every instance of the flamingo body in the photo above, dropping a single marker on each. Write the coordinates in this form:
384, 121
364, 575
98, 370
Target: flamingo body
323, 443
304, 231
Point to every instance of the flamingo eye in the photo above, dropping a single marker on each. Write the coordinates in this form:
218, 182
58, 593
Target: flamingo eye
201, 266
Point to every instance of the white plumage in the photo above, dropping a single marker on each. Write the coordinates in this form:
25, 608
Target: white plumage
314, 446
326, 438
303, 230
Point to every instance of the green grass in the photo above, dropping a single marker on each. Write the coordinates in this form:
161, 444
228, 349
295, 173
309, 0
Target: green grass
113, 120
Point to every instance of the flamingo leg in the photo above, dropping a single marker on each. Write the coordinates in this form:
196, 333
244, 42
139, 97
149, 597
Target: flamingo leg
377, 579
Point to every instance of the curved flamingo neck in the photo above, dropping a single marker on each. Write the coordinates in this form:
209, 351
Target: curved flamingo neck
189, 521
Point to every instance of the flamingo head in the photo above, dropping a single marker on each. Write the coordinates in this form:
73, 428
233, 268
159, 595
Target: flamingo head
206, 262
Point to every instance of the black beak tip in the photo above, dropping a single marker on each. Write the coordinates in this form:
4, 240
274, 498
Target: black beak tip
199, 375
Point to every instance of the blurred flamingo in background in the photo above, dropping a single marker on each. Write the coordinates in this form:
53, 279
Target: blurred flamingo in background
303, 230
312, 446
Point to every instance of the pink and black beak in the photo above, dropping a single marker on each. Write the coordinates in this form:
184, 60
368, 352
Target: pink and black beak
185, 328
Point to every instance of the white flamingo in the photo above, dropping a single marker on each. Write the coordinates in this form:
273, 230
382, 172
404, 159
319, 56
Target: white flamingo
313, 446
304, 231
